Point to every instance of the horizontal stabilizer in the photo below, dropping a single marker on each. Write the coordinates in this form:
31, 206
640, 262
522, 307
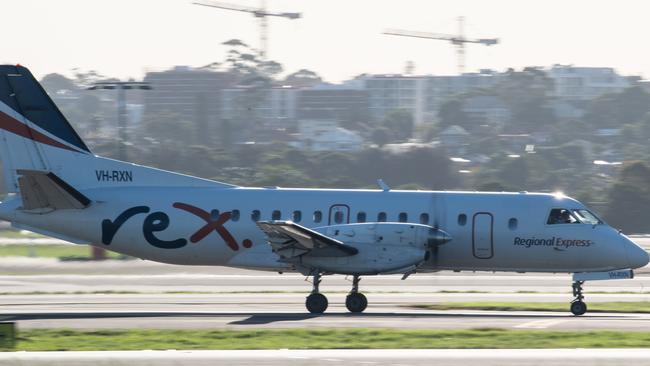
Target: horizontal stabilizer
290, 240
44, 190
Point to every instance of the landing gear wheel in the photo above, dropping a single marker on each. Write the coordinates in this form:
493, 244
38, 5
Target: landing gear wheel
356, 302
316, 303
578, 308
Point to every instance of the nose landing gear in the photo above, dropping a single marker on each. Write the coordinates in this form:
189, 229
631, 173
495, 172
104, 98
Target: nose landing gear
578, 307
356, 302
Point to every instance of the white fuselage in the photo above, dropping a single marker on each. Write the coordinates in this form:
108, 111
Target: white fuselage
490, 231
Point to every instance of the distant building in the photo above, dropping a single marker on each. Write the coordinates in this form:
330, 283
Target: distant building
346, 103
192, 94
387, 93
322, 135
454, 137
275, 106
585, 83
564, 110
486, 110
421, 95
438, 89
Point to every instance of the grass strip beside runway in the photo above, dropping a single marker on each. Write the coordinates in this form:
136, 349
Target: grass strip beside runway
104, 340
594, 307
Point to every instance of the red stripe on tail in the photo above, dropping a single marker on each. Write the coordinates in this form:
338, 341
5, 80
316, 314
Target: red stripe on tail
14, 126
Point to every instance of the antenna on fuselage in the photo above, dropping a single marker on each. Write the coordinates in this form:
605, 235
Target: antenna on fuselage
382, 185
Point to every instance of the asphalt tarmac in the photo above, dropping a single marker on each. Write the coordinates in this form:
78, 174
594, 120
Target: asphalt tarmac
228, 298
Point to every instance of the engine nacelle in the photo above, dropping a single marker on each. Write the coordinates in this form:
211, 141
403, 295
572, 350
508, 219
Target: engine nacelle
383, 247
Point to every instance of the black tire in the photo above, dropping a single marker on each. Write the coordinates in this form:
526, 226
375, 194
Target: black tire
316, 303
578, 308
356, 303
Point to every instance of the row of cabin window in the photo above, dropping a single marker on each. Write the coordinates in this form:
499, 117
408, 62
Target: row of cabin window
339, 218
512, 223
317, 217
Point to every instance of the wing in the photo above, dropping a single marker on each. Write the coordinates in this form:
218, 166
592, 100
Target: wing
290, 240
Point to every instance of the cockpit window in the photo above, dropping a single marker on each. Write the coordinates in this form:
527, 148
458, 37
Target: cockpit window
586, 217
561, 216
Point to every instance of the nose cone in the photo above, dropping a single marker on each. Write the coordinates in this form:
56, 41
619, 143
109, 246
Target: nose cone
636, 256
438, 237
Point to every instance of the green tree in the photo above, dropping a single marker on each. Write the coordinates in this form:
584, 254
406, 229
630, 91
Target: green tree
617, 109
527, 95
451, 113
302, 78
400, 124
54, 83
629, 199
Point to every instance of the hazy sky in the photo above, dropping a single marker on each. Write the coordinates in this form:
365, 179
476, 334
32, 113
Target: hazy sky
336, 38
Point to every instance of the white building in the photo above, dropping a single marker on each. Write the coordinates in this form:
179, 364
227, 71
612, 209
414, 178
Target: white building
486, 109
585, 83
323, 135
421, 95
276, 106
438, 89
387, 93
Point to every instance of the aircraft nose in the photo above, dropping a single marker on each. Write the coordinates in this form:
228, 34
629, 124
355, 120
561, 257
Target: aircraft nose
636, 256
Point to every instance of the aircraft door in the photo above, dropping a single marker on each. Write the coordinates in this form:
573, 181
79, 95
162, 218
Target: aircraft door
482, 237
339, 214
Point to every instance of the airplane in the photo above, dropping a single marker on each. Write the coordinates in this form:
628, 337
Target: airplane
58, 187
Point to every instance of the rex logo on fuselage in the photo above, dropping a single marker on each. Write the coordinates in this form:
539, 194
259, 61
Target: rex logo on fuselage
159, 221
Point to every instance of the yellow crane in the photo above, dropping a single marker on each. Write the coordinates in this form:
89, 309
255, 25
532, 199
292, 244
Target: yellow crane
459, 40
261, 13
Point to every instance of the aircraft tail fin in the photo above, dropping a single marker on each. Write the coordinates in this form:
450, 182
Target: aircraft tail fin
35, 136
29, 119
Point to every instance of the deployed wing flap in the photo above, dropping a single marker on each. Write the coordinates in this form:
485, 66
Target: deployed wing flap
290, 240
44, 190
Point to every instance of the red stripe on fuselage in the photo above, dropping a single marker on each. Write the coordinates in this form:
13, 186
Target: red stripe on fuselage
14, 126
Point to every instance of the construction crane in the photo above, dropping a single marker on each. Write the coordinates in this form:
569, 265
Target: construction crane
459, 40
259, 13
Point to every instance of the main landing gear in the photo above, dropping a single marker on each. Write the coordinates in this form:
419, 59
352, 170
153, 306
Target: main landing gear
356, 302
578, 307
316, 302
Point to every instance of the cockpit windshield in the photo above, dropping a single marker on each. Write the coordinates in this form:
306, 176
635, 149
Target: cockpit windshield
561, 216
586, 217
567, 216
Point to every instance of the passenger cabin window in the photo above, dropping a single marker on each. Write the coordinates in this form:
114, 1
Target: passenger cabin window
361, 217
512, 224
318, 217
276, 215
214, 215
403, 217
561, 216
381, 217
296, 216
338, 217
424, 218
256, 215
462, 219
234, 215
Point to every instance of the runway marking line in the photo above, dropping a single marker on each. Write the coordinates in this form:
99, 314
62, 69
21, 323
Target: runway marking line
540, 324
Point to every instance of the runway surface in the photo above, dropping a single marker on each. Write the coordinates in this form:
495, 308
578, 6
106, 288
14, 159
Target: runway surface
416, 357
44, 293
247, 299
